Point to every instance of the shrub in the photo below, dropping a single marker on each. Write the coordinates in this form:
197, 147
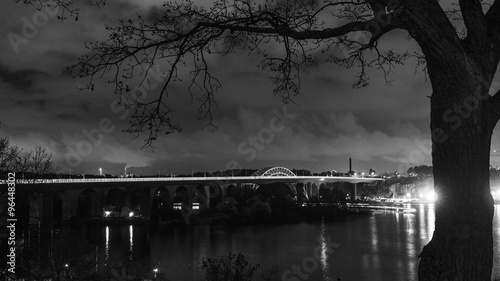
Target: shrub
230, 267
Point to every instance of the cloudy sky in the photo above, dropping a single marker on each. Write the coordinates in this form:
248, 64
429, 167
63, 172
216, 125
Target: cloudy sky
381, 127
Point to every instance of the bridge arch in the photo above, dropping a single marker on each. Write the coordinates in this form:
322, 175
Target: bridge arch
140, 202
325, 194
314, 192
182, 197
232, 191
161, 204
200, 196
88, 204
274, 172
57, 207
117, 197
216, 194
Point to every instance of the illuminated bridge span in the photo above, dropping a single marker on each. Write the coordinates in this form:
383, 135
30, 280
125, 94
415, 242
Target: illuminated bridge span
85, 198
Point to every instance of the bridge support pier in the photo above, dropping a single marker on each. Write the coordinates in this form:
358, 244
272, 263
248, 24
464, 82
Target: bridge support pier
145, 195
48, 207
207, 196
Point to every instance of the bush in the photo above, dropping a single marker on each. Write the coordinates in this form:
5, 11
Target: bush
231, 267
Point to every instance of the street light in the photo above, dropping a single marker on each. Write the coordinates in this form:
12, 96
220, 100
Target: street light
100, 172
155, 270
66, 269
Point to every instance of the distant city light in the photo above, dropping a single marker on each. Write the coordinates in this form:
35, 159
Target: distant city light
107, 213
431, 196
131, 214
496, 195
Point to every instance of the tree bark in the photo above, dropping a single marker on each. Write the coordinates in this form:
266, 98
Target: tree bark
462, 245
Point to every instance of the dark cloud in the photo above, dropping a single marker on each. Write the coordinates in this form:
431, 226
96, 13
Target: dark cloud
378, 126
33, 104
23, 80
68, 116
154, 13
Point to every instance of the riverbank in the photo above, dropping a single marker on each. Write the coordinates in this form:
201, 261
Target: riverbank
278, 215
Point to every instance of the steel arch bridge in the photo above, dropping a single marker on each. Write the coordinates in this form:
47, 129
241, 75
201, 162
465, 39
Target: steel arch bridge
274, 172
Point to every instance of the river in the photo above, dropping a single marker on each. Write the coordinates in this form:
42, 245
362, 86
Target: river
381, 246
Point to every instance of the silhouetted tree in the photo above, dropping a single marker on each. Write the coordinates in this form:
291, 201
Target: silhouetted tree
460, 49
420, 170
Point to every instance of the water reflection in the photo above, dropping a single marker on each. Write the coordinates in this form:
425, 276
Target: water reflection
324, 251
382, 246
106, 245
430, 221
131, 235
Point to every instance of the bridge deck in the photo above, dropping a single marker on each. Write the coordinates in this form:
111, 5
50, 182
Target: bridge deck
199, 180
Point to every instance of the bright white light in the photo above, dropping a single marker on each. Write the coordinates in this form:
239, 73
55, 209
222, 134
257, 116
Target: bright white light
431, 196
155, 270
131, 214
107, 213
495, 194
66, 265
408, 195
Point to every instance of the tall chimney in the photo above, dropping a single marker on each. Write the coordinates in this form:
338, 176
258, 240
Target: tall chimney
350, 165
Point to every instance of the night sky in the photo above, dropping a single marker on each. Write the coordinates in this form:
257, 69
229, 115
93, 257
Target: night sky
382, 127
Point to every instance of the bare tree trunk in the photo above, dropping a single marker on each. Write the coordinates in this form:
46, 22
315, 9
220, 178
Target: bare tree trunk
462, 244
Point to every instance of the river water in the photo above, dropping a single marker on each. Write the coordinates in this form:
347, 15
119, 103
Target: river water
381, 246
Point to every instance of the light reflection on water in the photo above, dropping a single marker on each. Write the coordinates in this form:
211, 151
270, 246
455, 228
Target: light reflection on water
131, 235
106, 245
382, 246
324, 251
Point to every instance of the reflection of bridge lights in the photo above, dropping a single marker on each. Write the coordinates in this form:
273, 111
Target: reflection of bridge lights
131, 234
106, 245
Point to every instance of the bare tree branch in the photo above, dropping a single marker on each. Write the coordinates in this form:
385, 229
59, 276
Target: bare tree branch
189, 31
8, 154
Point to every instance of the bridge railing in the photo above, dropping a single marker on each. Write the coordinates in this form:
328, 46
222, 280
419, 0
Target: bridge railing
152, 179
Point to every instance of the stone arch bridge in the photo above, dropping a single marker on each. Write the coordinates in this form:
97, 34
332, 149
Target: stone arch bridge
63, 199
